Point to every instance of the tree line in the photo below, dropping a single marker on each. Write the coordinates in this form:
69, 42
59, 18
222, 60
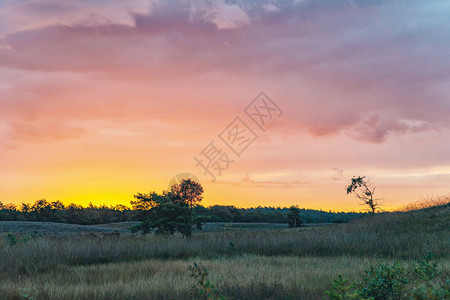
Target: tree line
46, 211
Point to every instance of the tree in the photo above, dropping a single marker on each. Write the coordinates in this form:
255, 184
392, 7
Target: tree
173, 211
25, 208
57, 205
364, 190
188, 194
221, 213
41, 210
154, 213
293, 216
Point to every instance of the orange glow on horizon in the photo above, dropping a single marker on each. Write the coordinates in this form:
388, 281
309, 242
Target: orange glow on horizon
107, 100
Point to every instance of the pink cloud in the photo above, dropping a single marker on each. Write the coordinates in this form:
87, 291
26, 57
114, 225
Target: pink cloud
36, 133
370, 73
360, 66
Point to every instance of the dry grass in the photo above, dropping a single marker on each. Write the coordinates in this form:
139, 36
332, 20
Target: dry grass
298, 263
44, 253
406, 235
428, 202
243, 277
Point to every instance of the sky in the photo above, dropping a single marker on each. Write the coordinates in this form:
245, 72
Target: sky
102, 99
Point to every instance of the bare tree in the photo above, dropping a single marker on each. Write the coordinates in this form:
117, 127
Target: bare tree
364, 190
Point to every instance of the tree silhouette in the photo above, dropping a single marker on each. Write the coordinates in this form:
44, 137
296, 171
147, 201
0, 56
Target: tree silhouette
173, 211
364, 190
43, 210
294, 219
188, 194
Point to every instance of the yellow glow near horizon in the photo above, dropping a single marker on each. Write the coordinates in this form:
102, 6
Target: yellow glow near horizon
106, 100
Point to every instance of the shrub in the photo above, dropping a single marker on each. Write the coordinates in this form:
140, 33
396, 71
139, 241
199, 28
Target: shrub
426, 268
342, 289
433, 291
384, 281
202, 287
11, 238
393, 281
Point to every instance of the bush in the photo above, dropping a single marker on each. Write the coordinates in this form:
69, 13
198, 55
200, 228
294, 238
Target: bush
394, 281
433, 291
425, 269
384, 281
342, 289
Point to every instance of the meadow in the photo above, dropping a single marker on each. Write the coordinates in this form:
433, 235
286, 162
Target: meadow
278, 263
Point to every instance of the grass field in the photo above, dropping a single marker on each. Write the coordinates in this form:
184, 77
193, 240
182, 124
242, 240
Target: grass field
243, 264
124, 227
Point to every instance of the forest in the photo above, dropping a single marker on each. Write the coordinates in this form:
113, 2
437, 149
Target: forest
46, 211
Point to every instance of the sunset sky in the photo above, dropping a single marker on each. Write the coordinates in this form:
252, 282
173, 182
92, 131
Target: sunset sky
100, 100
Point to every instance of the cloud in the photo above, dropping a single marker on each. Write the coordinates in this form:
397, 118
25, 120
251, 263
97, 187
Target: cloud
251, 183
145, 85
340, 174
219, 12
37, 133
29, 15
365, 71
270, 8
376, 129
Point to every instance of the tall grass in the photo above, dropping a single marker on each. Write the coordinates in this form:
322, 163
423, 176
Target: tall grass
242, 277
428, 202
280, 262
405, 235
